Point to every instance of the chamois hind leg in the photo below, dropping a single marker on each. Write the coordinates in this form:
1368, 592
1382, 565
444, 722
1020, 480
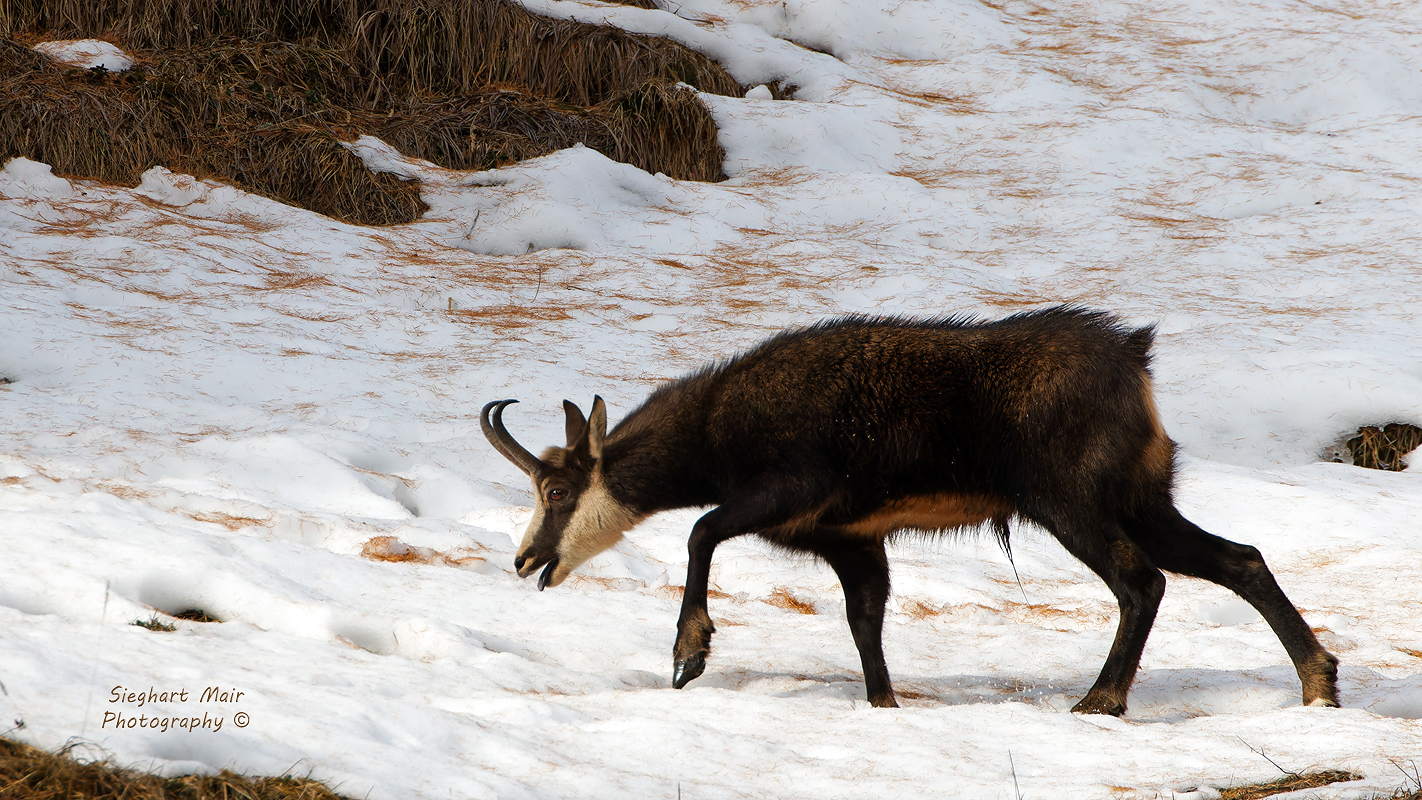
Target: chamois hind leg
863, 570
1178, 545
1101, 545
760, 508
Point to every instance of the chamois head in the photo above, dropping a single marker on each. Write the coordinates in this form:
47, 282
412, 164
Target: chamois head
574, 515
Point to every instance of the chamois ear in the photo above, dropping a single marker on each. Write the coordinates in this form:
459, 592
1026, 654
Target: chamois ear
575, 426
597, 427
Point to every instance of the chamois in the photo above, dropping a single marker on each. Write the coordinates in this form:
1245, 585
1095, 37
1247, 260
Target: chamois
832, 438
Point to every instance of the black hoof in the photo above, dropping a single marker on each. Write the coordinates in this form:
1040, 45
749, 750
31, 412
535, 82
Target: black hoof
1093, 705
884, 701
687, 670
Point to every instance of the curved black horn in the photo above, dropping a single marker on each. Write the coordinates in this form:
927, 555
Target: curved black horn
499, 437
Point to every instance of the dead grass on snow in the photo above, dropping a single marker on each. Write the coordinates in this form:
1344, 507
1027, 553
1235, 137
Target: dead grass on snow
391, 550
1289, 783
29, 773
782, 598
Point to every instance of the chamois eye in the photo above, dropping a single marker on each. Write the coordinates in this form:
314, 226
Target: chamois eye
554, 495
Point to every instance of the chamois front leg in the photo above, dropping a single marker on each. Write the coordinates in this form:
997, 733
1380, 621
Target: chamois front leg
694, 627
749, 512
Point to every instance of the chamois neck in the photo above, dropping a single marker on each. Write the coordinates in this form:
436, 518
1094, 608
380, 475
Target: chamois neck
652, 464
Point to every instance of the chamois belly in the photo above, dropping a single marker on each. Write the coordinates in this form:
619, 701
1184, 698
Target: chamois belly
927, 513
942, 511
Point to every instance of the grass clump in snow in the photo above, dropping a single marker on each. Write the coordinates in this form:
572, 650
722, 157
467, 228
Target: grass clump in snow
29, 773
400, 47
262, 94
113, 126
1385, 447
1292, 782
155, 624
782, 598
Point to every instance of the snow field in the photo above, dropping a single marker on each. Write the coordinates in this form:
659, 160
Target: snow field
223, 403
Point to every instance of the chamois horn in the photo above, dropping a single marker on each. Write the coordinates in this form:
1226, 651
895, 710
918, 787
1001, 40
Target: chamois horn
499, 437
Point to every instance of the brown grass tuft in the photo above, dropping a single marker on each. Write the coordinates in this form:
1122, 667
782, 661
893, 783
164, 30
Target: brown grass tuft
677, 592
195, 615
1288, 783
399, 48
392, 550
781, 597
29, 773
1383, 448
155, 623
262, 94
919, 610
510, 316
174, 113
228, 521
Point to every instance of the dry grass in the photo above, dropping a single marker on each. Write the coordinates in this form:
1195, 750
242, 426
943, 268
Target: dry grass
229, 521
1288, 783
919, 610
29, 773
194, 123
677, 592
782, 598
399, 48
510, 316
1024, 299
1384, 448
155, 623
261, 95
391, 550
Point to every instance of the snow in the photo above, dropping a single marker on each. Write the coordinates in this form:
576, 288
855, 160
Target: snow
87, 53
226, 404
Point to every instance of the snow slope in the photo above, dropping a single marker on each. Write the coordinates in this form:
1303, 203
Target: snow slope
222, 403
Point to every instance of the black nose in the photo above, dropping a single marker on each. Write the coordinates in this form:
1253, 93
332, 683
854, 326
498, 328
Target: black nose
518, 562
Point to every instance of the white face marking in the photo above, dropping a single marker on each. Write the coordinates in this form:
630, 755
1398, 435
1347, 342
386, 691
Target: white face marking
597, 524
1321, 703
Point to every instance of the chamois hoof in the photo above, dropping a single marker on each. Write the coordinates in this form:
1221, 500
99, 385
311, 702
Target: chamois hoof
687, 670
1096, 704
1320, 684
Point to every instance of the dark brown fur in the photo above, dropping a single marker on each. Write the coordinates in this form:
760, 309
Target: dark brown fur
828, 439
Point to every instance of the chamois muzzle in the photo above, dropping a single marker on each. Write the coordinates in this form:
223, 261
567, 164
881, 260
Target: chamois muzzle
499, 437
525, 567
